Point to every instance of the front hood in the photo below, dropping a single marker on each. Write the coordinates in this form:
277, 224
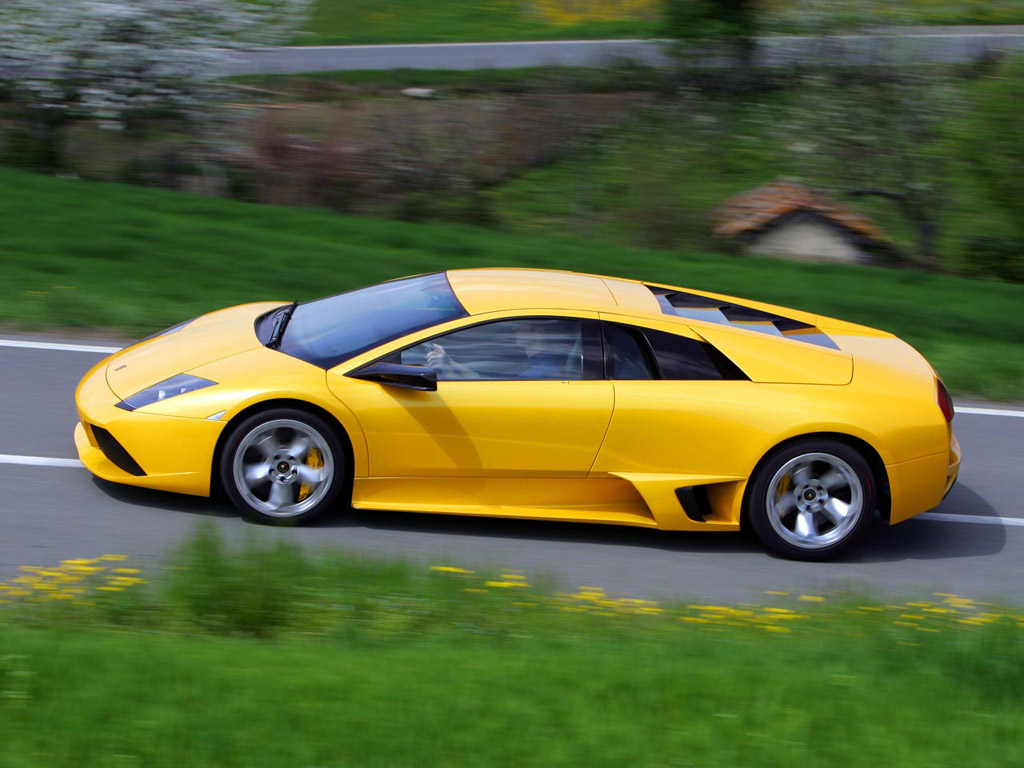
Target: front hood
206, 339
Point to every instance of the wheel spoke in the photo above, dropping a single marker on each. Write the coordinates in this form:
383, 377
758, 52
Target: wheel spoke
310, 475
785, 505
280, 495
257, 473
836, 510
834, 479
267, 445
802, 475
806, 528
299, 447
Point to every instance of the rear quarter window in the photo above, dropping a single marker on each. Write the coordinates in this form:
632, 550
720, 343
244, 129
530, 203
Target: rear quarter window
680, 358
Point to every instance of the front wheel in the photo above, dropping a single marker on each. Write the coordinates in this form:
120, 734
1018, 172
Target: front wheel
283, 467
812, 499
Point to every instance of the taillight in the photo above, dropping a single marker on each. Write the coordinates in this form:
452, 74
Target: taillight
945, 401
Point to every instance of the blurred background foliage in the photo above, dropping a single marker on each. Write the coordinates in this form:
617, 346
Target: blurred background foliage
625, 154
397, 21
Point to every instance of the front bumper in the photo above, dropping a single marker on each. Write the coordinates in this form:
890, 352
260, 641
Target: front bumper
919, 485
169, 453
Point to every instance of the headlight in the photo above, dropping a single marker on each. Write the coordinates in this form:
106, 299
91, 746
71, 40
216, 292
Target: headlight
172, 387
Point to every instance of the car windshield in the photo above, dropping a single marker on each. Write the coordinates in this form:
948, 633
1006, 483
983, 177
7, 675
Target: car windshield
330, 331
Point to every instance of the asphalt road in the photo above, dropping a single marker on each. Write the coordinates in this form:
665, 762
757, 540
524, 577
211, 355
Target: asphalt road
950, 44
50, 513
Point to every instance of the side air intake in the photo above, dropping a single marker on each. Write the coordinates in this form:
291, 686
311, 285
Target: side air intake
695, 502
115, 452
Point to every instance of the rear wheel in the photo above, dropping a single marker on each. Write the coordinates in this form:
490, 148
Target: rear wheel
812, 499
283, 467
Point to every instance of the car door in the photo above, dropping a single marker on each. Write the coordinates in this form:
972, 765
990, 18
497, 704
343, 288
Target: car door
517, 396
681, 406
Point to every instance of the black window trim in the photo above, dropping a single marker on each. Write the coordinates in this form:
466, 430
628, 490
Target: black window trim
640, 335
592, 346
722, 362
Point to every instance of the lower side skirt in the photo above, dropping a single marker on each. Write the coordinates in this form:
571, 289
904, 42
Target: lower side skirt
648, 501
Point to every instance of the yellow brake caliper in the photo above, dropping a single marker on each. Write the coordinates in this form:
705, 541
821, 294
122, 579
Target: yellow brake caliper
314, 460
783, 488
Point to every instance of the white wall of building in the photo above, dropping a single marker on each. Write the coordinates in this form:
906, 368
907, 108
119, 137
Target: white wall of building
806, 240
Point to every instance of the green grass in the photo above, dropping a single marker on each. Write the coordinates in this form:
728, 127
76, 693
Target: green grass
430, 21
102, 699
444, 21
388, 664
84, 254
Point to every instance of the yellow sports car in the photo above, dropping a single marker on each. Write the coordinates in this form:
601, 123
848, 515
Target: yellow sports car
535, 394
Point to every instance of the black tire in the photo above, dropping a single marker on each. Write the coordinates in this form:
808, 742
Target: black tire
293, 448
798, 494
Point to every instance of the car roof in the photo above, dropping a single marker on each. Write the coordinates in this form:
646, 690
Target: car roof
494, 290
508, 289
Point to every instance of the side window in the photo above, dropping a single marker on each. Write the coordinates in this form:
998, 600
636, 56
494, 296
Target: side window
626, 355
682, 358
529, 349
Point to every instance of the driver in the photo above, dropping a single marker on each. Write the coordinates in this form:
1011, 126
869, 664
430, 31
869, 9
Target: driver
542, 359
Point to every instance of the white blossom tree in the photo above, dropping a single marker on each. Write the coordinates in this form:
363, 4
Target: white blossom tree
114, 60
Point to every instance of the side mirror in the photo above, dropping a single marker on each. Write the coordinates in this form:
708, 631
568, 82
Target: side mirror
408, 376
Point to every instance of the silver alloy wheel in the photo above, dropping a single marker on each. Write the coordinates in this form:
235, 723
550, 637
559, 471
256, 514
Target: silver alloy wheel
815, 500
272, 467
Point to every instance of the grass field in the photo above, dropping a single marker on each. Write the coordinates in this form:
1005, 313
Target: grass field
273, 658
445, 21
422, 21
90, 255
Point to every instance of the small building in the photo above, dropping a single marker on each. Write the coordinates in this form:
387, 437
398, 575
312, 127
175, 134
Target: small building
790, 220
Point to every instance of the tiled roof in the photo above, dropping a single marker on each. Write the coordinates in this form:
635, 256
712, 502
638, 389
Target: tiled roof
757, 209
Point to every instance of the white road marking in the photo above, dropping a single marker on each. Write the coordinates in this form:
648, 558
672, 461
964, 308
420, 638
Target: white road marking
949, 517
991, 412
59, 347
38, 461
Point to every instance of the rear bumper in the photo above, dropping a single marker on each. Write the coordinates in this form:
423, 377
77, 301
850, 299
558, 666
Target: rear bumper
169, 453
919, 485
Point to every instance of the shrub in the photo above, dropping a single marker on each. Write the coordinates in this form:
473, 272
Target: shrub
253, 594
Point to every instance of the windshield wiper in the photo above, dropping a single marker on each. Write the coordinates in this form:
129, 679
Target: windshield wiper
280, 324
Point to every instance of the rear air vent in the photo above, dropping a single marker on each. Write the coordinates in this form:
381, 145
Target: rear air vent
694, 501
711, 310
115, 452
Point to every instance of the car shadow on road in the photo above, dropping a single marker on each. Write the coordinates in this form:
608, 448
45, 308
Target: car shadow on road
910, 540
208, 506
544, 530
931, 539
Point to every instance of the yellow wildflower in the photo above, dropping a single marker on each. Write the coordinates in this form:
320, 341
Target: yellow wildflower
449, 569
